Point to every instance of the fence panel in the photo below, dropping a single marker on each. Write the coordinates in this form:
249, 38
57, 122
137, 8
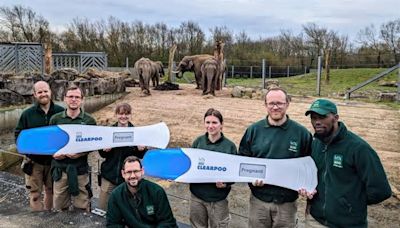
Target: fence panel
80, 61
21, 57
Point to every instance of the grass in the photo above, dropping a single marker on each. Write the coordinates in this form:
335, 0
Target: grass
340, 81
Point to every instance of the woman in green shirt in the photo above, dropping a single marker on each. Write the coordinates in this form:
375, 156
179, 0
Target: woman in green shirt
208, 204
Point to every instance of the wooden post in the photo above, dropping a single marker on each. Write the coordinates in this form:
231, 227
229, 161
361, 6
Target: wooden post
263, 73
398, 84
170, 62
270, 72
319, 76
288, 71
327, 65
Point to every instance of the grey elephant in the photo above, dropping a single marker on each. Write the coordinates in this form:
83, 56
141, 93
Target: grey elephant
158, 66
192, 63
210, 71
147, 69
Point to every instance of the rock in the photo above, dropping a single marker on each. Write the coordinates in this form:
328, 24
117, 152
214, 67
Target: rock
99, 86
68, 74
20, 84
388, 84
85, 85
130, 82
248, 92
237, 91
269, 83
263, 93
8, 97
387, 96
58, 88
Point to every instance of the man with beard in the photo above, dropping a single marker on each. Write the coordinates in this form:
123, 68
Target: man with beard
350, 173
274, 137
37, 167
70, 172
138, 202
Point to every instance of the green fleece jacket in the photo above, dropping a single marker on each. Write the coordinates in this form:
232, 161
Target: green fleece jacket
149, 207
208, 191
262, 140
350, 177
33, 117
112, 165
73, 167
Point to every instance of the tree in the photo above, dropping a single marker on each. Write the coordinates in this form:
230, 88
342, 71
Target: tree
390, 33
22, 24
321, 41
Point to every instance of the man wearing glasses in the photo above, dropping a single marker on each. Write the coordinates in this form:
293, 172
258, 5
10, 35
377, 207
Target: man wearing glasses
274, 137
70, 172
138, 202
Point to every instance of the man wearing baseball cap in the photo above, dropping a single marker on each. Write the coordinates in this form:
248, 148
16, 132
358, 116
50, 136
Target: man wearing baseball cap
350, 173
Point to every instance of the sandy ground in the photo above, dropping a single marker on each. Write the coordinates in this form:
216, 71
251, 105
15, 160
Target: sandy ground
183, 111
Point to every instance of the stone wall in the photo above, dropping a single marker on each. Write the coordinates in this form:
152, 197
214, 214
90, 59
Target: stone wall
17, 89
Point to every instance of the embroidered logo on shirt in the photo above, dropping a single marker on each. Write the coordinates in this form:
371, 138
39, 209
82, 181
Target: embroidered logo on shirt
150, 209
338, 160
293, 146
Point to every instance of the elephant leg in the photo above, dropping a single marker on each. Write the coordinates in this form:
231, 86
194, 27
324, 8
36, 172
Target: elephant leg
213, 83
141, 82
157, 80
204, 84
210, 81
198, 78
147, 84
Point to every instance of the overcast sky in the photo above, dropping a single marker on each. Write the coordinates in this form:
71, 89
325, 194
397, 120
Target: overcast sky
258, 18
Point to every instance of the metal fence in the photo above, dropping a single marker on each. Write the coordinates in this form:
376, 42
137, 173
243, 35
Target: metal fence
80, 61
17, 58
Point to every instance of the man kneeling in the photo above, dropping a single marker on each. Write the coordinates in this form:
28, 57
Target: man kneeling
138, 202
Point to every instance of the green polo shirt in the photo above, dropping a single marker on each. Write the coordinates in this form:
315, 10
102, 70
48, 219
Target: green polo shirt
208, 191
33, 117
62, 118
262, 140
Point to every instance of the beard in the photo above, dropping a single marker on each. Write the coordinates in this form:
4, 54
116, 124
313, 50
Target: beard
133, 182
43, 100
327, 132
276, 116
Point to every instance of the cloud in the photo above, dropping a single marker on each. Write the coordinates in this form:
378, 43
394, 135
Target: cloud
256, 17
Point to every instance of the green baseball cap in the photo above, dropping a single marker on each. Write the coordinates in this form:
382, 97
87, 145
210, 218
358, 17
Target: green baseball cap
322, 107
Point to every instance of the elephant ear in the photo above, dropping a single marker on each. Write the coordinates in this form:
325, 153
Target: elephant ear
202, 69
190, 64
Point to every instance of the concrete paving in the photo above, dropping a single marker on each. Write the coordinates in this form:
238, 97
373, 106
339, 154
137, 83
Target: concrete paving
15, 211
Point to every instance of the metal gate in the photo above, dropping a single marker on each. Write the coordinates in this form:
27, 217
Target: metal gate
16, 58
80, 61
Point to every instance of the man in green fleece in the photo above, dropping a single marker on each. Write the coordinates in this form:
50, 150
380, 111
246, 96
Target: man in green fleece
274, 137
138, 202
37, 167
350, 173
70, 172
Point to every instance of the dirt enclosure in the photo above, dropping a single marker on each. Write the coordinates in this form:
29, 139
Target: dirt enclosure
183, 110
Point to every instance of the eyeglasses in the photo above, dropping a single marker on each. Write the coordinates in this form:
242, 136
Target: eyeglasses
135, 172
277, 104
73, 97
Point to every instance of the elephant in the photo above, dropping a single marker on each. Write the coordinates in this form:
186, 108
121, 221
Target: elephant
192, 63
210, 71
147, 69
160, 72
